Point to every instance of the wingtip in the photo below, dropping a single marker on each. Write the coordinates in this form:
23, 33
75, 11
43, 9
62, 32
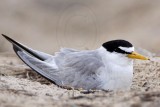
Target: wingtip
5, 36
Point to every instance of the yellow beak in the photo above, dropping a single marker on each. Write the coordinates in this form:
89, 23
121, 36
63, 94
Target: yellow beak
135, 55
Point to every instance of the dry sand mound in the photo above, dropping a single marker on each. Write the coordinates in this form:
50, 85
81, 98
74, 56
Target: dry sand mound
21, 87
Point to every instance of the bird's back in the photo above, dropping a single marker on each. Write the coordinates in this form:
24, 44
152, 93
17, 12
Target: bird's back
78, 68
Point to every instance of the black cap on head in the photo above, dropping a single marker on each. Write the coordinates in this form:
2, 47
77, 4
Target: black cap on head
113, 46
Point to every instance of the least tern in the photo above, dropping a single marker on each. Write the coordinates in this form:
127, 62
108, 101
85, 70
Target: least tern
109, 67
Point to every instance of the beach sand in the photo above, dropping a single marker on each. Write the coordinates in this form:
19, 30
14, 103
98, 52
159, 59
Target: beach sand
22, 87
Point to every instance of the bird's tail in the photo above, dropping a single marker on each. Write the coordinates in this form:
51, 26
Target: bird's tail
37, 54
36, 60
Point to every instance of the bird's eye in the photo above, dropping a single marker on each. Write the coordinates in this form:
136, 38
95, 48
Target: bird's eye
116, 49
121, 51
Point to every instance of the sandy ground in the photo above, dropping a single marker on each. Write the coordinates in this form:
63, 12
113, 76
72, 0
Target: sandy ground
21, 87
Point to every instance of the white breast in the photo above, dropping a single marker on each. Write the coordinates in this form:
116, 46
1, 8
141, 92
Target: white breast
117, 73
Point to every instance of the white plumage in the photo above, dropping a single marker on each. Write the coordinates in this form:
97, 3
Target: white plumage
118, 71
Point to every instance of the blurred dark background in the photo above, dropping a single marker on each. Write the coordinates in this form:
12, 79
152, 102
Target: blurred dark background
47, 25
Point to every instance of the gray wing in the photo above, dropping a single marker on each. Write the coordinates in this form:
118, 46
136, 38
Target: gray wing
75, 68
60, 56
79, 69
41, 67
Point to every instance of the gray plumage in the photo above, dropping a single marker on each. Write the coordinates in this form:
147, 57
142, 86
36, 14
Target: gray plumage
74, 68
69, 67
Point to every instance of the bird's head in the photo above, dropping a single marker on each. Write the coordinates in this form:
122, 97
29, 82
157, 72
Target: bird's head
123, 48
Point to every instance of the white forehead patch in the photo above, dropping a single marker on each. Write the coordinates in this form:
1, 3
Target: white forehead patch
130, 49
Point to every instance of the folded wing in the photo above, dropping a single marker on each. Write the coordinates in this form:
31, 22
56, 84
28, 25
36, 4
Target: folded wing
80, 69
68, 67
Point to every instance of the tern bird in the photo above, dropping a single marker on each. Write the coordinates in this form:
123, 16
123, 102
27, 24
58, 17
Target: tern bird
109, 67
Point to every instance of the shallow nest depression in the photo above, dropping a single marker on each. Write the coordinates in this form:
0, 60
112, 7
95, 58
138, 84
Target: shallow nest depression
20, 86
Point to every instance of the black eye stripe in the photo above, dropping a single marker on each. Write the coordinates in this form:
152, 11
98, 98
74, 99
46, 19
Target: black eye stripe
118, 50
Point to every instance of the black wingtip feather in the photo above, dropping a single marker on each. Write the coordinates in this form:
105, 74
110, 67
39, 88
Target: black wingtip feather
6, 37
22, 47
